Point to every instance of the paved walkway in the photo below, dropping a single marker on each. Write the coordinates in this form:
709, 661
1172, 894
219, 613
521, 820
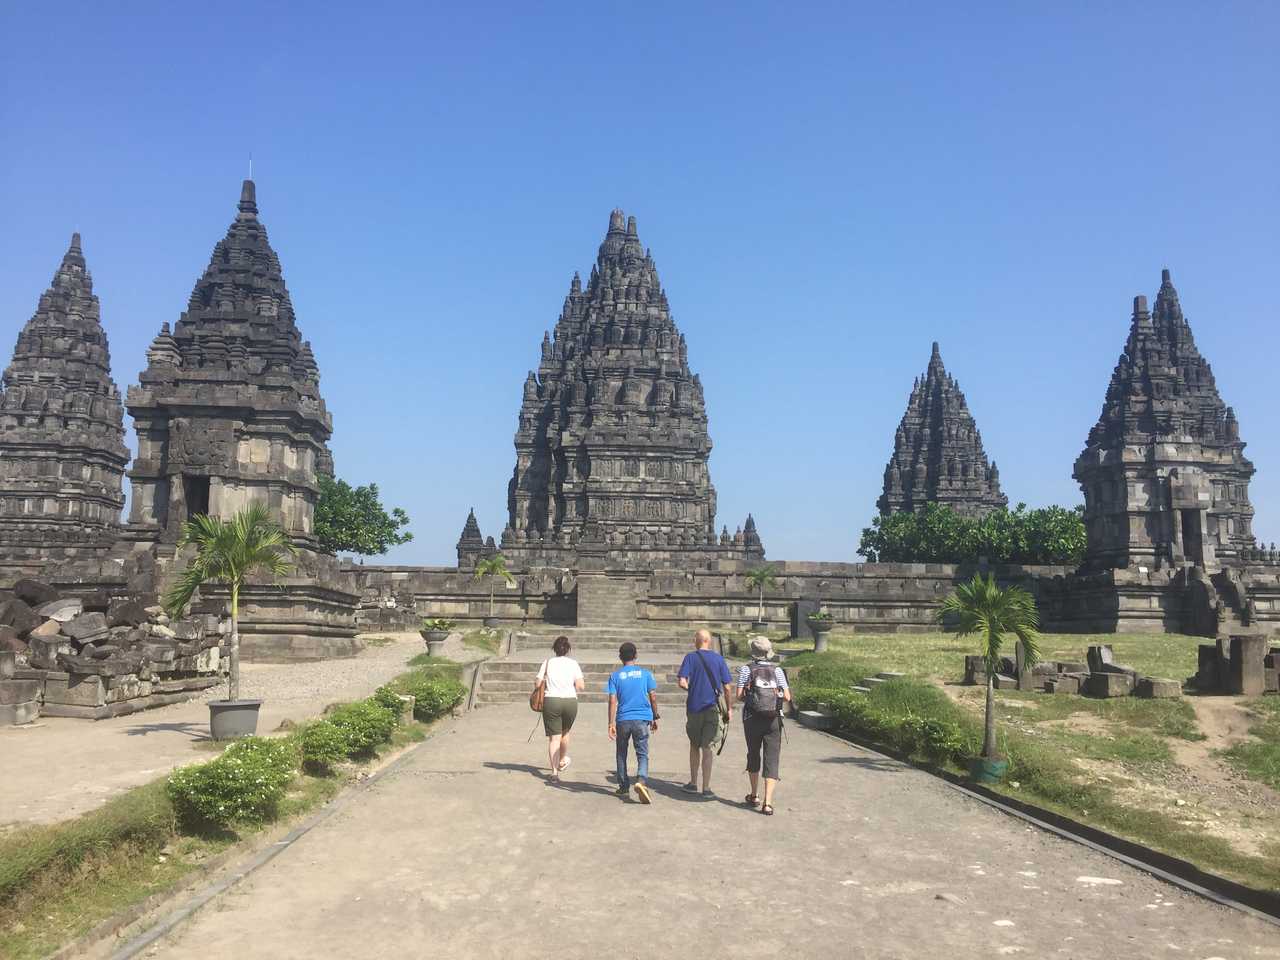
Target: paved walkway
57, 767
464, 851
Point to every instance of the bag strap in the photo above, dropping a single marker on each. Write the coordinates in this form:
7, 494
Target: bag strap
715, 688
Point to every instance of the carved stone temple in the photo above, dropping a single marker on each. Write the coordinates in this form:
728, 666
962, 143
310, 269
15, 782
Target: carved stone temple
62, 452
1164, 475
612, 445
228, 412
937, 452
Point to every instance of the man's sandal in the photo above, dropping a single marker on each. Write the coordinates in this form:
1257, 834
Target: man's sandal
751, 799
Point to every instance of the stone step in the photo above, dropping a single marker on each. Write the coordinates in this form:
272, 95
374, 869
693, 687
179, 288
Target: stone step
665, 700
527, 676
593, 686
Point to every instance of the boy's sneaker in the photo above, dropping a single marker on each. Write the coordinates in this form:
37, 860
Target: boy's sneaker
622, 793
690, 787
643, 793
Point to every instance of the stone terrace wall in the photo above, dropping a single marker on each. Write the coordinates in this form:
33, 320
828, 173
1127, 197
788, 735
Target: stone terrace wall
883, 597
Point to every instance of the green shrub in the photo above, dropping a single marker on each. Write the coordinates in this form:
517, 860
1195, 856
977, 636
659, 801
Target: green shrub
434, 696
245, 784
323, 746
365, 725
387, 698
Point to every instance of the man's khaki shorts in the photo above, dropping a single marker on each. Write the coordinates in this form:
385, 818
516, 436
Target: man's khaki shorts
703, 727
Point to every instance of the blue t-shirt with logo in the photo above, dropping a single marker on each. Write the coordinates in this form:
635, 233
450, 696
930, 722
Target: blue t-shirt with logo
631, 685
702, 695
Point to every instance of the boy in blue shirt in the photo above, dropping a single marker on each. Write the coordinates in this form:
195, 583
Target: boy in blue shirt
633, 712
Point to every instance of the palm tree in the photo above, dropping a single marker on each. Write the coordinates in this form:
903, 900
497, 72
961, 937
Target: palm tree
495, 566
230, 551
982, 607
758, 579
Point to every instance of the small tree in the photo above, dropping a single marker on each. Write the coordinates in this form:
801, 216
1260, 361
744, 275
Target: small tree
353, 520
492, 567
758, 579
982, 607
230, 551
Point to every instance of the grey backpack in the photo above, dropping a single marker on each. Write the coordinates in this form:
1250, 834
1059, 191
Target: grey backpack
762, 690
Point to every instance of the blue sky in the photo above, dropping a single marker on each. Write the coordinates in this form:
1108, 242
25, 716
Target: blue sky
826, 189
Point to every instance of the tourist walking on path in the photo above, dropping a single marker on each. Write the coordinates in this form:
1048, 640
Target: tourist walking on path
762, 689
633, 713
706, 676
562, 679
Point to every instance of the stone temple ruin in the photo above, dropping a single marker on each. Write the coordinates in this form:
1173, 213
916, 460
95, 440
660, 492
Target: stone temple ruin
612, 447
611, 510
62, 452
937, 452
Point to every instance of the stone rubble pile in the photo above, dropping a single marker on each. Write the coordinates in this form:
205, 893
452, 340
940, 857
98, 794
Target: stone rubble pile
99, 656
1245, 665
1100, 676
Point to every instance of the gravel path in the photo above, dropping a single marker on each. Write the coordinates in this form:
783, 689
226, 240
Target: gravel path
57, 768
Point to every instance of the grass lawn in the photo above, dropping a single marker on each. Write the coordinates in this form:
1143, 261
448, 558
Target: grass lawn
941, 655
1260, 759
483, 639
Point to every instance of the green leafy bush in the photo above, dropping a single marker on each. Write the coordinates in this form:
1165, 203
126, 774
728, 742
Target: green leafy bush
937, 534
390, 700
365, 725
434, 696
245, 784
323, 746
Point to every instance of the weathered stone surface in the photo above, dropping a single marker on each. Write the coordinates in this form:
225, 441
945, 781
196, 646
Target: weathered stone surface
62, 610
86, 627
228, 410
18, 713
612, 442
44, 651
1004, 682
1109, 685
1164, 475
8, 664
1099, 656
16, 614
1245, 671
186, 629
50, 628
33, 592
1063, 685
1158, 689
76, 690
10, 641
937, 452
62, 452
19, 691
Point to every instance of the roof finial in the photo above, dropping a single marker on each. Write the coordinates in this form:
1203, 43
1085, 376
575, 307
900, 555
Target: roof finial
75, 241
248, 198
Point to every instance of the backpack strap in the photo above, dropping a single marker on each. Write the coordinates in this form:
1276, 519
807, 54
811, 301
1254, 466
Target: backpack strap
715, 687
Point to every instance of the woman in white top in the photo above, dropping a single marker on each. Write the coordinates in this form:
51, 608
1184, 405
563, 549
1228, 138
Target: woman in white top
563, 678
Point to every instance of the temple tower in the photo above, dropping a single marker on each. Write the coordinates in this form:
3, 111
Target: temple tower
1164, 475
613, 425
937, 452
62, 452
228, 410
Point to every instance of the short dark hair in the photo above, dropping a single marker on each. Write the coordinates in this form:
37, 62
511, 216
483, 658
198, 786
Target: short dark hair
561, 646
627, 652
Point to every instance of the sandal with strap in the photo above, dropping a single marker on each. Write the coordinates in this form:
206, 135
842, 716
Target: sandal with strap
751, 799
767, 810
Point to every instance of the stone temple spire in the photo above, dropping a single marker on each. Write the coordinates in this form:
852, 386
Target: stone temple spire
471, 544
228, 410
1163, 472
613, 426
937, 452
62, 452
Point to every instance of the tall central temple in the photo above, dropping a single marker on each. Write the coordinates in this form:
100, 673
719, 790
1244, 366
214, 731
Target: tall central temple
612, 444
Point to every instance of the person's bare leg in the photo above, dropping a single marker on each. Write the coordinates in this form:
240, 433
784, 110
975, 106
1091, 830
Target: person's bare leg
695, 758
769, 784
564, 750
553, 753
708, 755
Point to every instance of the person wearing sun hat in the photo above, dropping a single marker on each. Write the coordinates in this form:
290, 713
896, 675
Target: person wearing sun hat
762, 690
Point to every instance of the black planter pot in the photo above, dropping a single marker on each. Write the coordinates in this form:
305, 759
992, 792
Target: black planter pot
759, 626
493, 621
232, 719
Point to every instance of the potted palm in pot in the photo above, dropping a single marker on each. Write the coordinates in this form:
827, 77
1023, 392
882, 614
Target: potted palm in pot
492, 568
758, 579
229, 552
820, 623
981, 607
435, 630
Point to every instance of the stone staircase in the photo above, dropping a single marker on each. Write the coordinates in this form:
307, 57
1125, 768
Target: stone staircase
649, 641
511, 679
